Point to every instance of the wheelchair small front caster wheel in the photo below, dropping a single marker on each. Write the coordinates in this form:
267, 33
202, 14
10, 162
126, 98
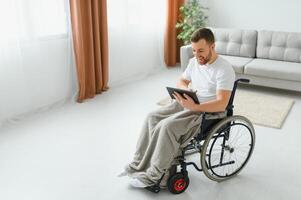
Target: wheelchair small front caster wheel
177, 183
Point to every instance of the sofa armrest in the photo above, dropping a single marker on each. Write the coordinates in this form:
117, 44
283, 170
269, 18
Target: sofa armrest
185, 55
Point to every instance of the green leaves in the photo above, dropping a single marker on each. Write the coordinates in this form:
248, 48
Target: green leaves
192, 17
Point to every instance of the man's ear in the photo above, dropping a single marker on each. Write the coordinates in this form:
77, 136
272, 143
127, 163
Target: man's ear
213, 46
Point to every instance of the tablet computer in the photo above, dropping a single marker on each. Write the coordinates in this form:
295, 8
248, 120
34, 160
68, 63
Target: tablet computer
193, 95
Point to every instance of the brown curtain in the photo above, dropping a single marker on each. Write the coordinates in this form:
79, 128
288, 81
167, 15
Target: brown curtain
90, 38
171, 43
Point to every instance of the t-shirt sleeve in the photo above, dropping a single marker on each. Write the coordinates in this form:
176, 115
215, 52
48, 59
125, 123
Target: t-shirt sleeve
188, 71
225, 78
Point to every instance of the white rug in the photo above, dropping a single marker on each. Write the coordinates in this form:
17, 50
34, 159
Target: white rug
262, 109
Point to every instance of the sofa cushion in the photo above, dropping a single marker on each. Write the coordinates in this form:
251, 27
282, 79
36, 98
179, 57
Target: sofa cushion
185, 55
274, 69
238, 63
283, 46
235, 42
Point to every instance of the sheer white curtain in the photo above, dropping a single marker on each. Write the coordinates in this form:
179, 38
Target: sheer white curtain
35, 56
136, 32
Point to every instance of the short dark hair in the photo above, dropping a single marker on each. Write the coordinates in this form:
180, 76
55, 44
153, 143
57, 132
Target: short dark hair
203, 33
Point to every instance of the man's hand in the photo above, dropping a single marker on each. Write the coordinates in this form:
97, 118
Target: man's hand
186, 102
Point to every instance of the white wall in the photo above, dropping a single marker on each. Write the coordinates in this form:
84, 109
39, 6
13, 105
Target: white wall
282, 15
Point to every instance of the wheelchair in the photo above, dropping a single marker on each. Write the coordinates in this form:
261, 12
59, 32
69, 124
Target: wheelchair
225, 143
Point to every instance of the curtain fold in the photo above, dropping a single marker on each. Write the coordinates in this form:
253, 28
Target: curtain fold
90, 38
171, 43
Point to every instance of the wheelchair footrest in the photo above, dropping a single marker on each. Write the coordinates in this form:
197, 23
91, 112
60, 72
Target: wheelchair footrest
153, 188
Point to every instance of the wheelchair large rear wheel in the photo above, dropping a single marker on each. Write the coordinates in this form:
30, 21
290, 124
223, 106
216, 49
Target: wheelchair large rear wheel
227, 148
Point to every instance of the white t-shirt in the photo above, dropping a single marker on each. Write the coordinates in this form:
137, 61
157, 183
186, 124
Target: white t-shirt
207, 79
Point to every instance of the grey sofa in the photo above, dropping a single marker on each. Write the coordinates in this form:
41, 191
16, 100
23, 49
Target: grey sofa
267, 58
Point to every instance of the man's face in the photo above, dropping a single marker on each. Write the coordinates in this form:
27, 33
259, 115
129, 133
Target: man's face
202, 51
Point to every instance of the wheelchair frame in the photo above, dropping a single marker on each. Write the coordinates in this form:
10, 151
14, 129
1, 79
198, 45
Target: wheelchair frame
213, 126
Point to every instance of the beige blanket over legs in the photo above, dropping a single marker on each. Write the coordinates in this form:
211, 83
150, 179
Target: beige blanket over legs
164, 133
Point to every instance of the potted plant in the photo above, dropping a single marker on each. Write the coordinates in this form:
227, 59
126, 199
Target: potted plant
192, 17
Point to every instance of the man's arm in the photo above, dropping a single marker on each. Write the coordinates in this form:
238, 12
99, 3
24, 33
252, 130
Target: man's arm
183, 83
217, 105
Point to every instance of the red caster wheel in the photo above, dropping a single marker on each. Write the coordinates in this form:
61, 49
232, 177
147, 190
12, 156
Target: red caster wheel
177, 183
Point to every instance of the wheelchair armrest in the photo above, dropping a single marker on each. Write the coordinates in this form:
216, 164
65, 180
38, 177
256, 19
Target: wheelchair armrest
214, 115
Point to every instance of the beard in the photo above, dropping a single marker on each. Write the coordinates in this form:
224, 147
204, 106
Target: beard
203, 61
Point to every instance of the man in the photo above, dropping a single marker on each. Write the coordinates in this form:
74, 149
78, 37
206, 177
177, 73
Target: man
170, 128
